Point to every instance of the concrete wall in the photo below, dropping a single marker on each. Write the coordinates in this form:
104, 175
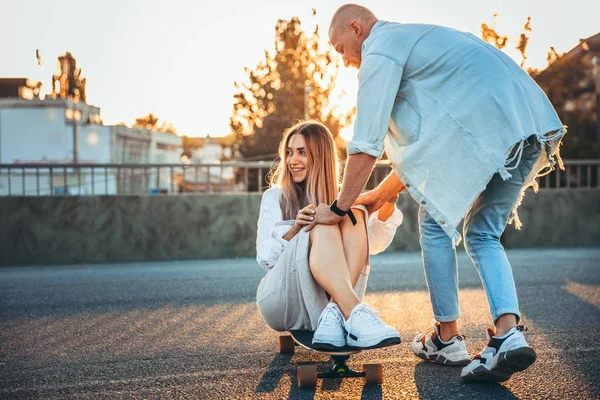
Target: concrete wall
63, 230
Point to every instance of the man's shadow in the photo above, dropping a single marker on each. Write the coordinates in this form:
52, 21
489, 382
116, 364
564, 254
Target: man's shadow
280, 366
432, 380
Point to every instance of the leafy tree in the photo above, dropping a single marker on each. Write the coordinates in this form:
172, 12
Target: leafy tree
152, 122
295, 82
490, 35
71, 83
569, 84
524, 40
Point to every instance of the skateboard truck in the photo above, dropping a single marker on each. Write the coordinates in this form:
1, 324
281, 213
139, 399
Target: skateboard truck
308, 374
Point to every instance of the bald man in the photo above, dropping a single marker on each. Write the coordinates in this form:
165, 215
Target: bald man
466, 131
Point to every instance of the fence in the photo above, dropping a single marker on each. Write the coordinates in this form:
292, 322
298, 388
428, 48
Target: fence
226, 177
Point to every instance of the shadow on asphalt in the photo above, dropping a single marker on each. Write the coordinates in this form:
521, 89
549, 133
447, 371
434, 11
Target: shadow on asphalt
430, 377
282, 365
554, 309
277, 369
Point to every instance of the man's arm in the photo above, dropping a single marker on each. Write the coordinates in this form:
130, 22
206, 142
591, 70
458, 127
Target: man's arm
379, 81
358, 170
356, 174
386, 190
391, 185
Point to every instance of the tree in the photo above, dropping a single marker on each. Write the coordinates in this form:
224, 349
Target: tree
152, 122
490, 35
569, 84
71, 83
295, 82
523, 41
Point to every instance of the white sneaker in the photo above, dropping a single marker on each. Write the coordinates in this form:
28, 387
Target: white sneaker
330, 333
429, 346
502, 357
367, 331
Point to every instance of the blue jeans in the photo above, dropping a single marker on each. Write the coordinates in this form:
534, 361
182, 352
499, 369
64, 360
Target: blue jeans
483, 225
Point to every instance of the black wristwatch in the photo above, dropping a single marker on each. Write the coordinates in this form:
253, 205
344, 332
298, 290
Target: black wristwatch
336, 210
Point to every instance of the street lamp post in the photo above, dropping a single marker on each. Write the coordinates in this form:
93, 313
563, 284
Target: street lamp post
596, 63
72, 117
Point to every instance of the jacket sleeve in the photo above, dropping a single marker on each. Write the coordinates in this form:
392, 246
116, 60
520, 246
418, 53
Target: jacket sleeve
270, 231
378, 83
382, 233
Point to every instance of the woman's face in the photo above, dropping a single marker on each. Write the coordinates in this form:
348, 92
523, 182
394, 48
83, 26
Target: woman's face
297, 158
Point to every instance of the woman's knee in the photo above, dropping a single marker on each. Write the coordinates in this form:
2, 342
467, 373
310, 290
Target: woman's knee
359, 215
320, 231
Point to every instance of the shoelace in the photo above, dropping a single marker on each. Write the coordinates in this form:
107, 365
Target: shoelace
330, 318
369, 315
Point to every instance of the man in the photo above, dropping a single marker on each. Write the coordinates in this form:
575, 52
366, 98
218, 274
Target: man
466, 131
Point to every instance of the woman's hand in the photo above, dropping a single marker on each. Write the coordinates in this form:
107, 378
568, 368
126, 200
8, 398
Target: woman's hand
305, 216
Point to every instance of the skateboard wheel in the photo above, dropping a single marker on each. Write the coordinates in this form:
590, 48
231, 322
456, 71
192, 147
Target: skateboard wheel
307, 376
373, 374
286, 344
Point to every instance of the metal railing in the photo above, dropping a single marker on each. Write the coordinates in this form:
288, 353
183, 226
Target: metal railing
226, 177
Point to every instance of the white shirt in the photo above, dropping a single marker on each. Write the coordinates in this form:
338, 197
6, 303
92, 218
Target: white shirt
271, 229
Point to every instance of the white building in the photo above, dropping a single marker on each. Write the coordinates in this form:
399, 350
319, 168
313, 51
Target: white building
51, 132
209, 151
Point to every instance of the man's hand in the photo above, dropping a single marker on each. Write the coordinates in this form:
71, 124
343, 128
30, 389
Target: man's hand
324, 216
373, 200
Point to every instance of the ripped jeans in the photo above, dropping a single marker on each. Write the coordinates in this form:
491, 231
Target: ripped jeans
483, 225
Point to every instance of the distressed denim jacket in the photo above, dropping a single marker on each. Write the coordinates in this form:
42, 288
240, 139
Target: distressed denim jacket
451, 111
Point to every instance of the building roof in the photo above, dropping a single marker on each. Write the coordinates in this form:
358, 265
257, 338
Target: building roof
590, 45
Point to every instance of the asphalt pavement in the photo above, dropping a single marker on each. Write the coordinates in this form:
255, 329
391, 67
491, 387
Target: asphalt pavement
191, 330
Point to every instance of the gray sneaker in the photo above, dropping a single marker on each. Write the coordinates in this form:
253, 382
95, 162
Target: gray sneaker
501, 358
429, 346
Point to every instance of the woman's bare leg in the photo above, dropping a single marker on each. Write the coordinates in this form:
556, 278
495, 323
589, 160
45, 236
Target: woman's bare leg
329, 266
354, 239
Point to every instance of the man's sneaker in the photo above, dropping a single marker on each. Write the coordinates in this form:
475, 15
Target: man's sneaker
367, 331
429, 346
502, 357
330, 333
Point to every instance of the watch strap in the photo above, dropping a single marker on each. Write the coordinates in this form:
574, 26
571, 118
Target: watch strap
336, 210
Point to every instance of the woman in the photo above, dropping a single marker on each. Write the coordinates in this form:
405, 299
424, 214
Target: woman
316, 280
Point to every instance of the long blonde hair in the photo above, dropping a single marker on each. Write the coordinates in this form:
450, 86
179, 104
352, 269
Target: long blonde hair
323, 178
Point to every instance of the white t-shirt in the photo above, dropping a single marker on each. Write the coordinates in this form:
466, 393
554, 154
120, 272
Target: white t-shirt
271, 229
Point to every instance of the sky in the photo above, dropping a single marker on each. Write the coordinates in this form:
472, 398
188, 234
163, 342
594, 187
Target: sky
179, 59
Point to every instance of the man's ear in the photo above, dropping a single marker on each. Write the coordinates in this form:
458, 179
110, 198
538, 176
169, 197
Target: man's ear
356, 27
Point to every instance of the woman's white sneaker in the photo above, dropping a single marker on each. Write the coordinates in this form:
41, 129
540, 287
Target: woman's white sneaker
330, 333
502, 357
365, 330
430, 347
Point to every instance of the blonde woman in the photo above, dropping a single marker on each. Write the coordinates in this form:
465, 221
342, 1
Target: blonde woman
316, 280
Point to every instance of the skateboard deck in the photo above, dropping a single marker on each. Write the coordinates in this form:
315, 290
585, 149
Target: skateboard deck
304, 339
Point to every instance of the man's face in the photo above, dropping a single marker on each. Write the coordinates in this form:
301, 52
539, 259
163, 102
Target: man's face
346, 40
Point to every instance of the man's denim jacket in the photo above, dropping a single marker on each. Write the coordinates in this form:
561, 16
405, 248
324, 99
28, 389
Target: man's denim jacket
449, 109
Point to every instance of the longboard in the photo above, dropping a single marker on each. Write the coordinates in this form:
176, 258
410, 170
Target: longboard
308, 375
